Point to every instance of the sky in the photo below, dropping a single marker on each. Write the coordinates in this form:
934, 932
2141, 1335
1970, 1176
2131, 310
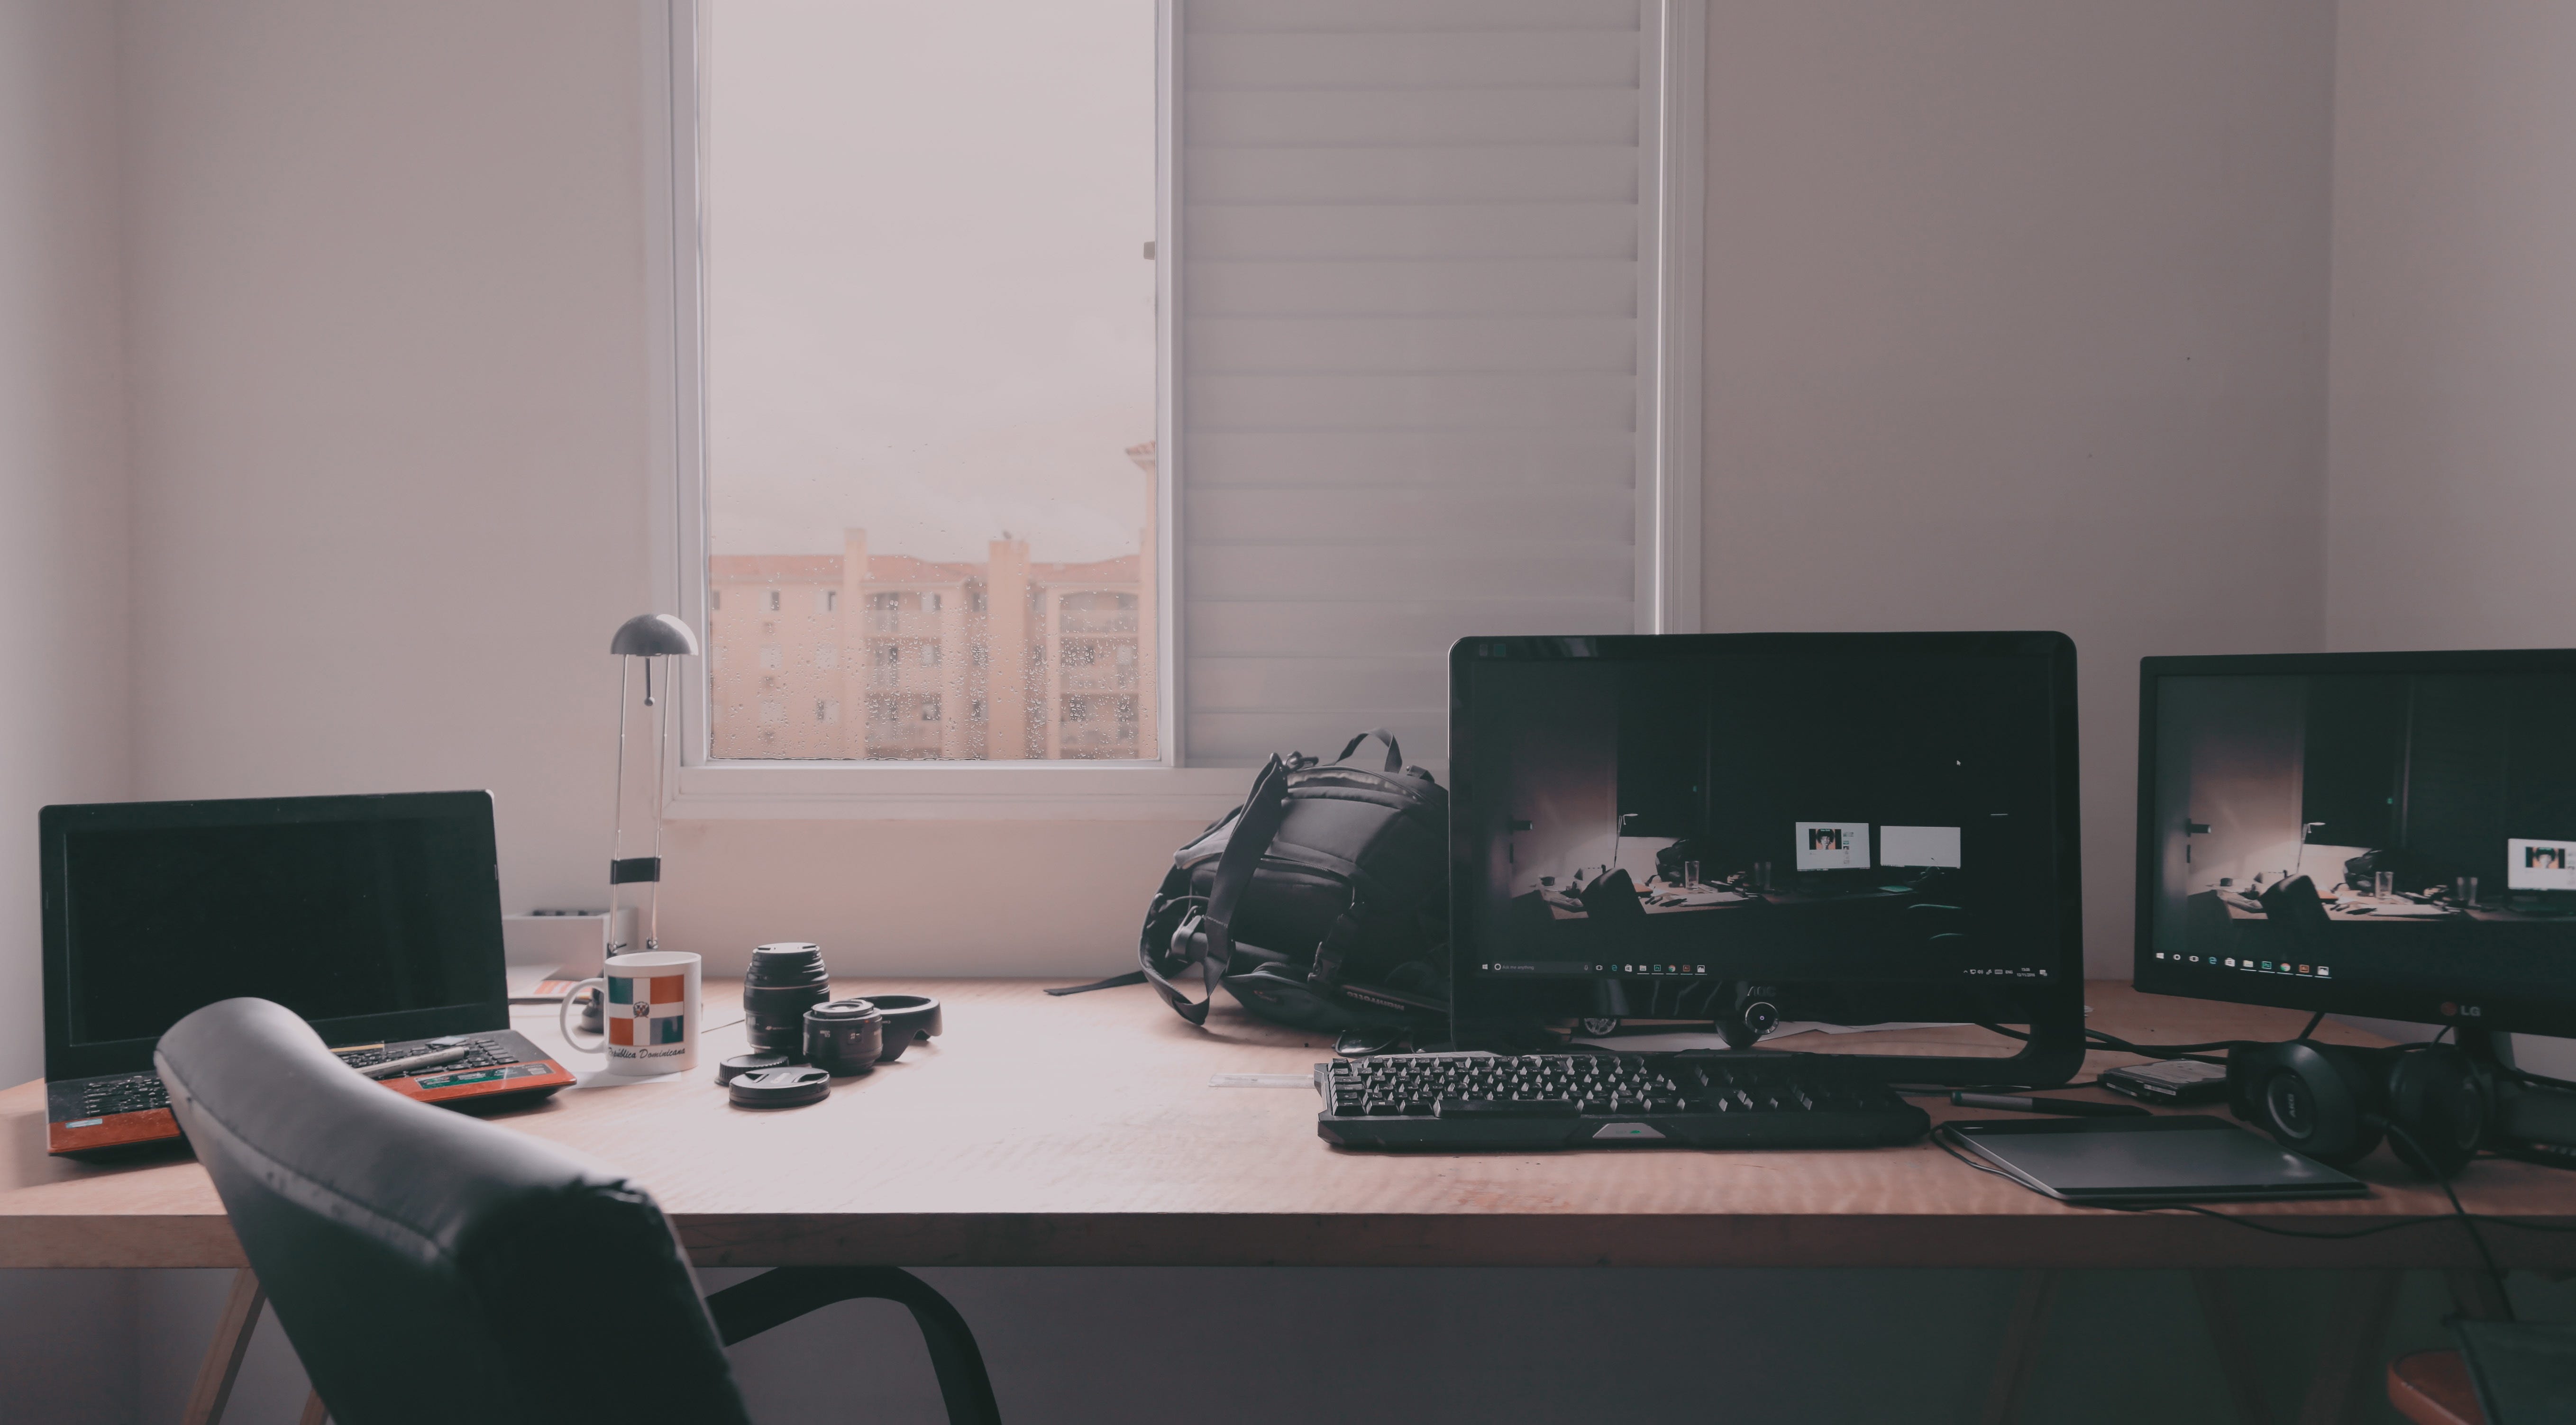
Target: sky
928, 309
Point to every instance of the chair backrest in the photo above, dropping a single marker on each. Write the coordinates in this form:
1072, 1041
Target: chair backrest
430, 1267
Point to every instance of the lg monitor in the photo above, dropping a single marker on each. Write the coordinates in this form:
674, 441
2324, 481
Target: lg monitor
2382, 834
1851, 828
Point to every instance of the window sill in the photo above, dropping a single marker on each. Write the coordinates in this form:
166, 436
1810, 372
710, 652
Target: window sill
1042, 791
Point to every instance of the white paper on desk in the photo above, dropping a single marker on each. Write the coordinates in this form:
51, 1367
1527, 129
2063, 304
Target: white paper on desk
1261, 1081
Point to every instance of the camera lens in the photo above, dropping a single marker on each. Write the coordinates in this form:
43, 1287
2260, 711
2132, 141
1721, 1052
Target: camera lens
844, 1036
784, 981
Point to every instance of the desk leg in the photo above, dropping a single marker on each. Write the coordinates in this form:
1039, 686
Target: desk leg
2477, 1296
2349, 1361
2019, 1351
224, 1354
2227, 1334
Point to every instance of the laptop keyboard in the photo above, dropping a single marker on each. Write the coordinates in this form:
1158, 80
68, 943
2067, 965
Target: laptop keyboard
138, 1093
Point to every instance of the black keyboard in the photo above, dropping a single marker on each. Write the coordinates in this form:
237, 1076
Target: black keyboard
1470, 1102
135, 1093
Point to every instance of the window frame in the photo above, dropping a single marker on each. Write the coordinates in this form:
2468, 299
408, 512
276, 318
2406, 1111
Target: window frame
701, 786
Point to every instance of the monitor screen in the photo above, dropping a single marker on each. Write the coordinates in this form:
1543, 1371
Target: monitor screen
1869, 827
2376, 834
373, 916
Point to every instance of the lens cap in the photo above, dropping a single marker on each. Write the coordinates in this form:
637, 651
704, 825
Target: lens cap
781, 1088
741, 1064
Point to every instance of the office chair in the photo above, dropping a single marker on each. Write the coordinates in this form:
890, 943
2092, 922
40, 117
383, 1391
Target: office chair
430, 1267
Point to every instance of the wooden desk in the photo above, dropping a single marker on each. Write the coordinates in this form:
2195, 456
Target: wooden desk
1083, 1131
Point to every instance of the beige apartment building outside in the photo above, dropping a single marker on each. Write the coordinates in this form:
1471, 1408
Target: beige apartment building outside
887, 656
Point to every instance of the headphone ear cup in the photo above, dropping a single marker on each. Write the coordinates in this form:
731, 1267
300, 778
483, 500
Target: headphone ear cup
2312, 1098
2438, 1105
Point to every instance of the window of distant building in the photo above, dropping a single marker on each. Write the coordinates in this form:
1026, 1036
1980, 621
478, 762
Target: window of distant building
906, 380
827, 710
772, 657
827, 657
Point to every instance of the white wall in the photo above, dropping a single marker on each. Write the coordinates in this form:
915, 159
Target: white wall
63, 703
2453, 514
2016, 319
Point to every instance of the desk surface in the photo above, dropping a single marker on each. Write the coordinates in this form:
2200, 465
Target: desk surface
1083, 1131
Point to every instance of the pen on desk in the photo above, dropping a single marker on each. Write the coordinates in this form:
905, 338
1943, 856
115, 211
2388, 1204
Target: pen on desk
395, 1068
2024, 1103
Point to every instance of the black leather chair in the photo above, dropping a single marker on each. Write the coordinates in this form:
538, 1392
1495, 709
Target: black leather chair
429, 1267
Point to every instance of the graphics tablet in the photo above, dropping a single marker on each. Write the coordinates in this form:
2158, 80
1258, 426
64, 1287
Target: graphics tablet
2177, 1158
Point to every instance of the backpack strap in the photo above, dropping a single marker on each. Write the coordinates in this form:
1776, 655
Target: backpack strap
1394, 754
1132, 977
1207, 939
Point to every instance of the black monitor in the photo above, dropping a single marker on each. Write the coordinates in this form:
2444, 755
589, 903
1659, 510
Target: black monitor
2277, 794
374, 917
1883, 828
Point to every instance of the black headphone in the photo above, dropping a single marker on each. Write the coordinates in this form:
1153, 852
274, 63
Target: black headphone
2335, 1103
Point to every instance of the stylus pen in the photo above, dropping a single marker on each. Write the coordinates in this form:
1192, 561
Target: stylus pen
2024, 1103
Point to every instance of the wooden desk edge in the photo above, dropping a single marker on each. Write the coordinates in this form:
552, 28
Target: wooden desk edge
2072, 1240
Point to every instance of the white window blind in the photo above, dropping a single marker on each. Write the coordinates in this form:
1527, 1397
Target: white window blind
1419, 350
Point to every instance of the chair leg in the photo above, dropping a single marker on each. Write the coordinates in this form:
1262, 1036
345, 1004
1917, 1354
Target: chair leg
778, 1296
224, 1354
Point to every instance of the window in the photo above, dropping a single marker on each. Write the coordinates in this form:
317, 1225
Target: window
930, 341
930, 708
827, 710
1404, 288
827, 656
772, 657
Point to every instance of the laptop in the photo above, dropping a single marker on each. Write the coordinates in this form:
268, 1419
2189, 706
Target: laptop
376, 918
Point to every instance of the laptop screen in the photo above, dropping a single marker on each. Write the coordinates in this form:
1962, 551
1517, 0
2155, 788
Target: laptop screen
372, 917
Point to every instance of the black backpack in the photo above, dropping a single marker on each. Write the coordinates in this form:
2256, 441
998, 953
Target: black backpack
1322, 902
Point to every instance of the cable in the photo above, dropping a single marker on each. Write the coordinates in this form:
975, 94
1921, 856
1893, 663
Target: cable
2313, 1021
2475, 1236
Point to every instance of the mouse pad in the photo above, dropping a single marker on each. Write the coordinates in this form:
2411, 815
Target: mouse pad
2171, 1158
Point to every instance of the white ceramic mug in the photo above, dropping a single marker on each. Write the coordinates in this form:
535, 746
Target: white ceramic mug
651, 1013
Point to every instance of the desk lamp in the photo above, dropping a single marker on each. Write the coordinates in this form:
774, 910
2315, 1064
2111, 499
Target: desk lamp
648, 637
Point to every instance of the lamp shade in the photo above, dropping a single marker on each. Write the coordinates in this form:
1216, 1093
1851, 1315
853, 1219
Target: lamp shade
652, 636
